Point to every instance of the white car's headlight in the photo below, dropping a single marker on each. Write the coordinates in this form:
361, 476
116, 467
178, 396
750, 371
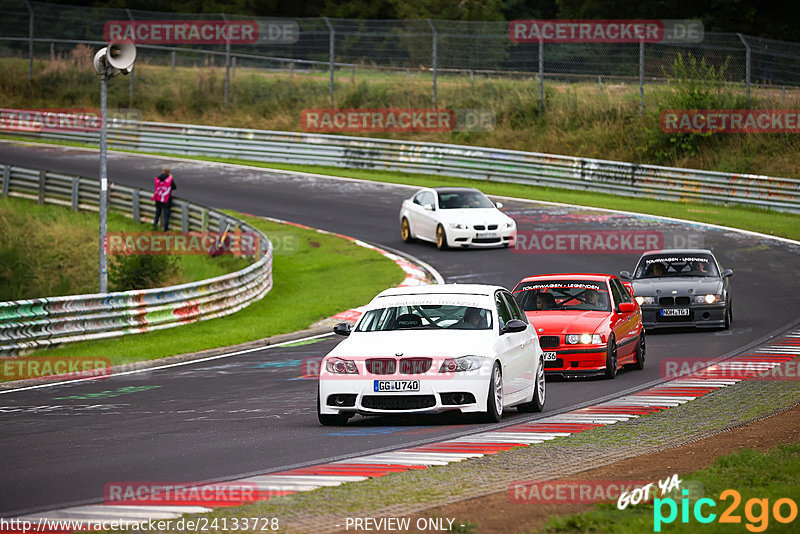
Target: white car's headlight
462, 364
339, 366
584, 339
458, 226
645, 300
707, 299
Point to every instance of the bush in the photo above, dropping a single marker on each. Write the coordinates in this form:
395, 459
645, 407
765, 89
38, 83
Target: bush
140, 272
694, 85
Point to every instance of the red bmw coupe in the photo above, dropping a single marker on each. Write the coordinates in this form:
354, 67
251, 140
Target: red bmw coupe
588, 324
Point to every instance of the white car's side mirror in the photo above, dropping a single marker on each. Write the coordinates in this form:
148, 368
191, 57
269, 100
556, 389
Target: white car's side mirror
428, 207
499, 205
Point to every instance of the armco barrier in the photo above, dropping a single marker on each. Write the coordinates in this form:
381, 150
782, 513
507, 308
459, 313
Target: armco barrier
42, 322
602, 176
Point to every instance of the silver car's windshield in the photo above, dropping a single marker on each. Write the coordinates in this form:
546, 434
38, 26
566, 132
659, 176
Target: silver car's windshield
676, 265
425, 317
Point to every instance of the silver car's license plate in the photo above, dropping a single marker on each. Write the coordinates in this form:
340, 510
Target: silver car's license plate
396, 385
485, 235
549, 356
674, 312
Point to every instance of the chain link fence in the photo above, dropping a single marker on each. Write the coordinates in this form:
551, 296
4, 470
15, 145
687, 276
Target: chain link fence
435, 53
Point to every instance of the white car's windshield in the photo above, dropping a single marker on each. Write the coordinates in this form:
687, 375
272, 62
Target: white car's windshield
463, 199
426, 317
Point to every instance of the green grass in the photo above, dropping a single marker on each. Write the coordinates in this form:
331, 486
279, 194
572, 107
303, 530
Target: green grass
325, 275
49, 250
580, 119
774, 475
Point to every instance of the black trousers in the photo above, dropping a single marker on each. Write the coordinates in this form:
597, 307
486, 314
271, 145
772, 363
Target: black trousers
165, 208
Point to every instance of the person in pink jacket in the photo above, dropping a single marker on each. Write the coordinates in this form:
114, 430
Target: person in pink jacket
164, 184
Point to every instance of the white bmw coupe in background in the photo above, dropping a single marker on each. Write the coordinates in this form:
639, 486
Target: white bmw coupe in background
433, 349
455, 217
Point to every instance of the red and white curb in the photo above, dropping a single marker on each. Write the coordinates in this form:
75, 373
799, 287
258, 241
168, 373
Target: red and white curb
749, 365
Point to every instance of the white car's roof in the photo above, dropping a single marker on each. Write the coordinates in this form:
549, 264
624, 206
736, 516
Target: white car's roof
441, 289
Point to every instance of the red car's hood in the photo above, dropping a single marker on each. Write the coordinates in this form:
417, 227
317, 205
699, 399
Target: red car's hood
566, 322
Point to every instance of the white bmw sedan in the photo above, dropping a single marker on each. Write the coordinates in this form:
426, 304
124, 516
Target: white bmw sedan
433, 349
455, 217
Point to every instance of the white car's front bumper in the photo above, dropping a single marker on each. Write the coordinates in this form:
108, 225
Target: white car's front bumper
469, 237
348, 394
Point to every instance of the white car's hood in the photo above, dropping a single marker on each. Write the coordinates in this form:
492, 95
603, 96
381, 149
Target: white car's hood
422, 343
474, 216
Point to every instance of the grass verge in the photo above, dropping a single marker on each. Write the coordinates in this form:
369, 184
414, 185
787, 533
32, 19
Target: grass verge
35, 239
759, 479
301, 295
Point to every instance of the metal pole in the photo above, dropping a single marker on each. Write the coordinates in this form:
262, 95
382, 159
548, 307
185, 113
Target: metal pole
132, 75
747, 65
52, 51
332, 51
434, 58
641, 76
30, 41
541, 75
103, 184
173, 61
227, 62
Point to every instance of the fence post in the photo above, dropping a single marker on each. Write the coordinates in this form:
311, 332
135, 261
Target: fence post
353, 74
6, 179
291, 70
135, 205
30, 41
173, 61
227, 63
747, 65
434, 58
204, 220
332, 51
641, 76
185, 217
541, 74
76, 192
233, 67
52, 51
42, 180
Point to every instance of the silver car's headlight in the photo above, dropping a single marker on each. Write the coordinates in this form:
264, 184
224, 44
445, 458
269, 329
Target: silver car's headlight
462, 364
645, 300
707, 299
458, 226
584, 339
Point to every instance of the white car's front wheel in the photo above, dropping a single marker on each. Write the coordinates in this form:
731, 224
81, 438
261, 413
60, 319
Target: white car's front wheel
494, 401
405, 231
441, 238
537, 403
329, 419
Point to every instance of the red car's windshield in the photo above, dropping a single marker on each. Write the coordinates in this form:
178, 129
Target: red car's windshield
578, 295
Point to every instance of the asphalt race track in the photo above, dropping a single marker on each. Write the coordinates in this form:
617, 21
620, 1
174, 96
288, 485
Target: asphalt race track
253, 412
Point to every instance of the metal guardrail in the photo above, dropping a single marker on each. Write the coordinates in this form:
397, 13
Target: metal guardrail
42, 322
584, 174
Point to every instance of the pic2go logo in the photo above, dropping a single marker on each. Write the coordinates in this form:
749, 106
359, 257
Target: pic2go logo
756, 511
